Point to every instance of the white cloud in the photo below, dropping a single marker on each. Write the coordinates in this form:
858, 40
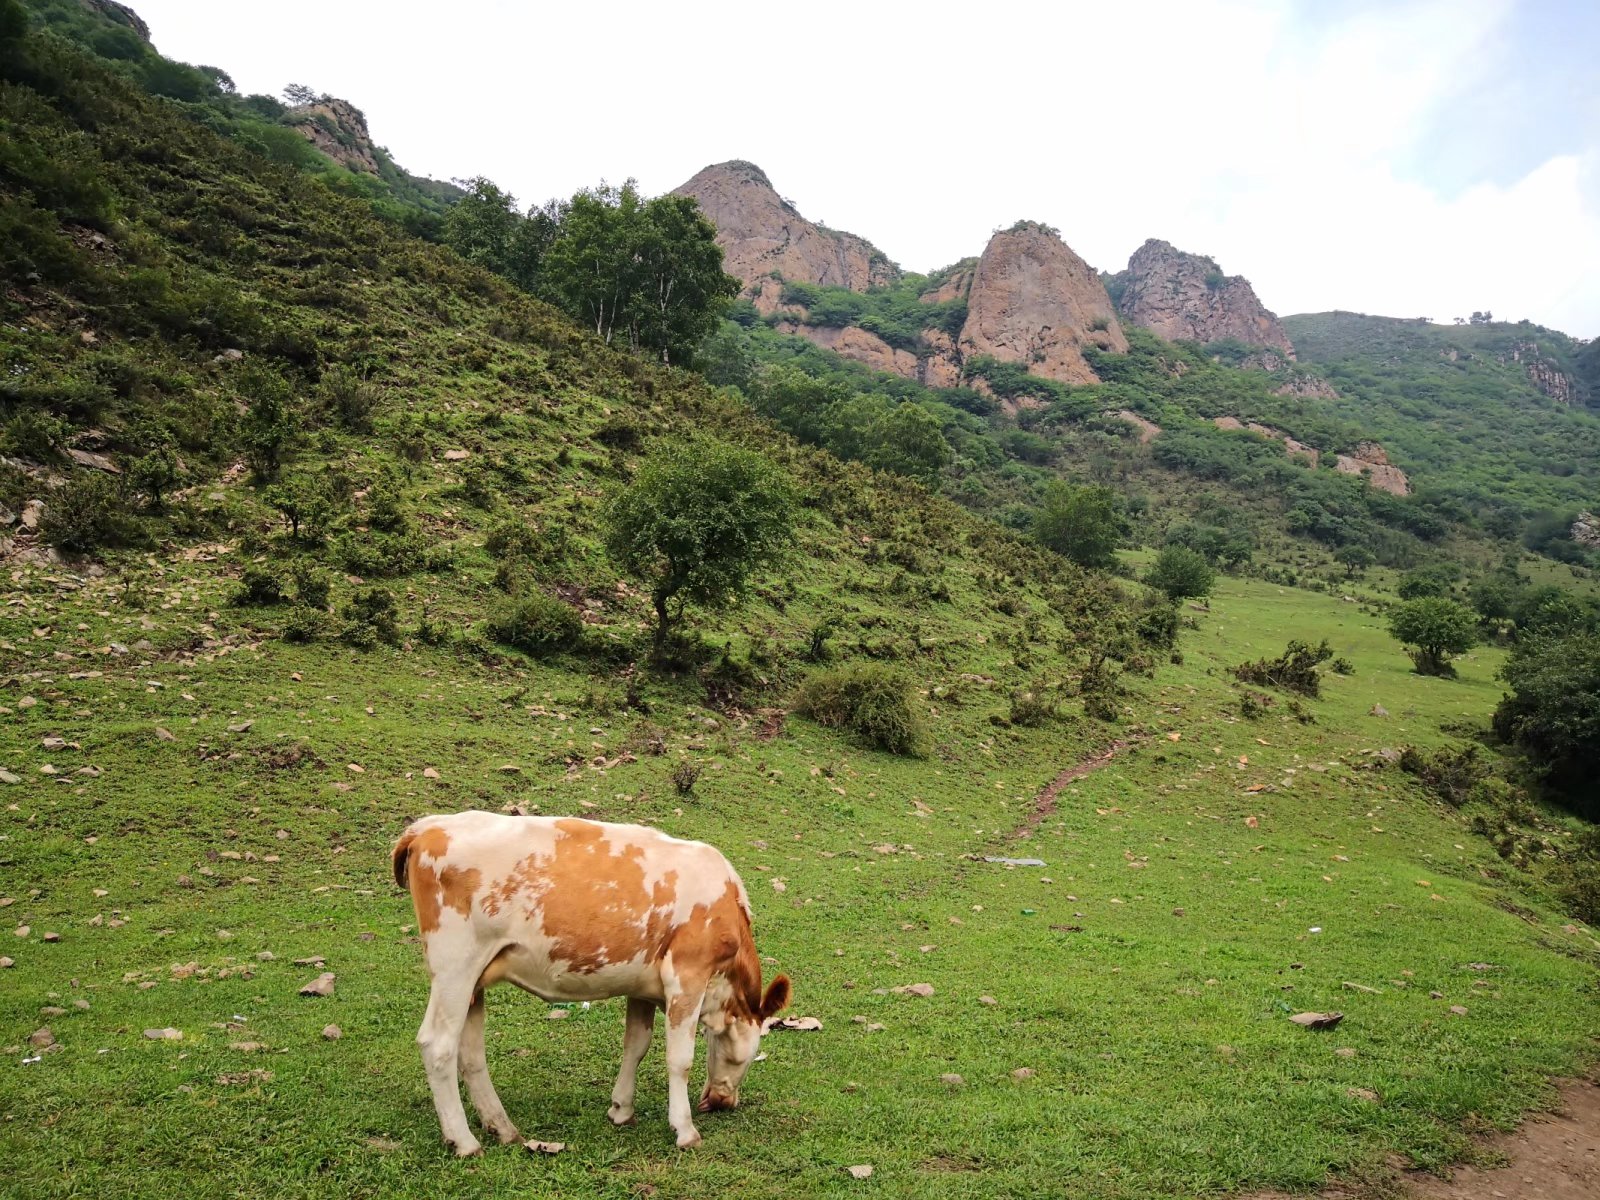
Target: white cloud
1276, 138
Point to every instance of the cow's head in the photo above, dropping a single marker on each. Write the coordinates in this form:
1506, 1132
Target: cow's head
731, 1043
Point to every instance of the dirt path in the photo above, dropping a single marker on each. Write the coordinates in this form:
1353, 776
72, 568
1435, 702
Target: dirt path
1045, 802
1550, 1156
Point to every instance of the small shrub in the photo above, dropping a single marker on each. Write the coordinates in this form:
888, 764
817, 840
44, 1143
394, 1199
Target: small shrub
871, 700
87, 513
371, 617
258, 587
817, 639
1253, 705
35, 435
536, 624
685, 775
729, 680
312, 585
1342, 666
348, 398
1101, 707
305, 625
1295, 670
1032, 706
1179, 572
1450, 774
1157, 624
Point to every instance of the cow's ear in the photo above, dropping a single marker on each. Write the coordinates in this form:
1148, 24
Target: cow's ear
776, 999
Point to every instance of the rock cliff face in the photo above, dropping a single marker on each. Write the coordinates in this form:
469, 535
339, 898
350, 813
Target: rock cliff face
1033, 301
339, 129
858, 345
760, 232
1295, 449
1186, 297
1370, 459
1541, 371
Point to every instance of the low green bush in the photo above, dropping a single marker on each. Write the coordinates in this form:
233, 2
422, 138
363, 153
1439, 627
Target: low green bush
536, 624
872, 701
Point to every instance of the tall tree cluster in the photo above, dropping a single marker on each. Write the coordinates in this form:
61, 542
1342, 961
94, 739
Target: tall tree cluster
644, 273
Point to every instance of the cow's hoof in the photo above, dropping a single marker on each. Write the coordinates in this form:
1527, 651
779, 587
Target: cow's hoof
689, 1140
506, 1134
617, 1114
469, 1148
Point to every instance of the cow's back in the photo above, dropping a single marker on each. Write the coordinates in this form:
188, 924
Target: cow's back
573, 896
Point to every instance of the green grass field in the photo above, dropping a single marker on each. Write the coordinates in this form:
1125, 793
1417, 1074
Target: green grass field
1145, 974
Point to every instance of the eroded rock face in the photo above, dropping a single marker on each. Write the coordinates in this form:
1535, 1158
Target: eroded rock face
121, 14
1310, 387
941, 366
857, 344
1295, 448
1586, 529
339, 129
1034, 301
1186, 297
1370, 459
956, 285
760, 232
1541, 371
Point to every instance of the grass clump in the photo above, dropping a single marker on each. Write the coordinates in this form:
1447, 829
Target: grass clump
872, 701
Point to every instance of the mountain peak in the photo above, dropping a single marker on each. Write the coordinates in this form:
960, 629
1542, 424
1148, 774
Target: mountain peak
763, 237
1185, 297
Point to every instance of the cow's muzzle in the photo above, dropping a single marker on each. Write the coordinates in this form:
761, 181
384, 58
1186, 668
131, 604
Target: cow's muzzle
711, 1101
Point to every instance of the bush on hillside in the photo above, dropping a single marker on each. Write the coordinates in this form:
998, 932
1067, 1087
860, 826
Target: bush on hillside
1294, 670
1552, 712
536, 624
258, 587
88, 513
1181, 572
371, 617
872, 701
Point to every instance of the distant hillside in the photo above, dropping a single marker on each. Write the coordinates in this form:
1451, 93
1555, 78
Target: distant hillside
1496, 415
318, 134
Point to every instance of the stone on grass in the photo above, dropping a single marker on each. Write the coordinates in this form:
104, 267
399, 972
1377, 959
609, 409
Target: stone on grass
322, 985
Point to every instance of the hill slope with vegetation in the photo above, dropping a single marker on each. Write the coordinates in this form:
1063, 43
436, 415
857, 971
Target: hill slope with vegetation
315, 529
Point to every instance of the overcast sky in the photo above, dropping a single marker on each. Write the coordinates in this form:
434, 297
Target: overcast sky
1410, 159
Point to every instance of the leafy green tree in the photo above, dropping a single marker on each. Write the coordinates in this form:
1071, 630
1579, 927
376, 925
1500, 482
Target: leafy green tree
1354, 559
155, 475
1436, 628
484, 227
1081, 523
849, 427
797, 402
725, 358
698, 519
268, 425
909, 441
1553, 711
1435, 579
1179, 571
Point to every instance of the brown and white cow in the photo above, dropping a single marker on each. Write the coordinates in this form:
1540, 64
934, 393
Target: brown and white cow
582, 910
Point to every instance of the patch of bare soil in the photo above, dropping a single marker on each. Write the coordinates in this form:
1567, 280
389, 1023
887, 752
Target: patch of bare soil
1550, 1156
1045, 802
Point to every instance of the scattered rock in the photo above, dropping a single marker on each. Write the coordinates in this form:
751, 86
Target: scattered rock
241, 727
914, 989
860, 1171
40, 1038
247, 1047
332, 1033
1317, 1020
164, 735
1345, 1052
987, 1000
1360, 1093
168, 1034
952, 1079
1377, 710
1458, 1010
536, 1147
6, 961
322, 985
9, 777
1023, 1073
429, 773
457, 455
797, 1024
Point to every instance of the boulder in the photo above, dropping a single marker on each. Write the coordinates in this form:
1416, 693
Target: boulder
1186, 297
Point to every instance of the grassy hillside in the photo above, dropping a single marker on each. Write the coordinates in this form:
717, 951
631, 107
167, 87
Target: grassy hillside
201, 784
1458, 402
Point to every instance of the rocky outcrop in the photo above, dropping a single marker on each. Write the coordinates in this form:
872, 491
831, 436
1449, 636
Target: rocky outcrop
858, 345
121, 14
956, 283
1033, 301
339, 129
1542, 372
940, 367
1306, 386
760, 233
1370, 459
1149, 431
1586, 530
1186, 297
1295, 449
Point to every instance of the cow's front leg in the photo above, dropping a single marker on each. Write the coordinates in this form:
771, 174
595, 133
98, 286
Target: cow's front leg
635, 1041
683, 1014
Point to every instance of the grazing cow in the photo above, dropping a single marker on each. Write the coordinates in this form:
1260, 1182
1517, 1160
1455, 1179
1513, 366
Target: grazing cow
582, 910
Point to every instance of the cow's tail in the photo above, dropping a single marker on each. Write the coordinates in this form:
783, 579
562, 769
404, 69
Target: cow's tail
401, 856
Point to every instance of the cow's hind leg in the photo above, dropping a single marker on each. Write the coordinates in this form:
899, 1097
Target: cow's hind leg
440, 1042
635, 1041
474, 1063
